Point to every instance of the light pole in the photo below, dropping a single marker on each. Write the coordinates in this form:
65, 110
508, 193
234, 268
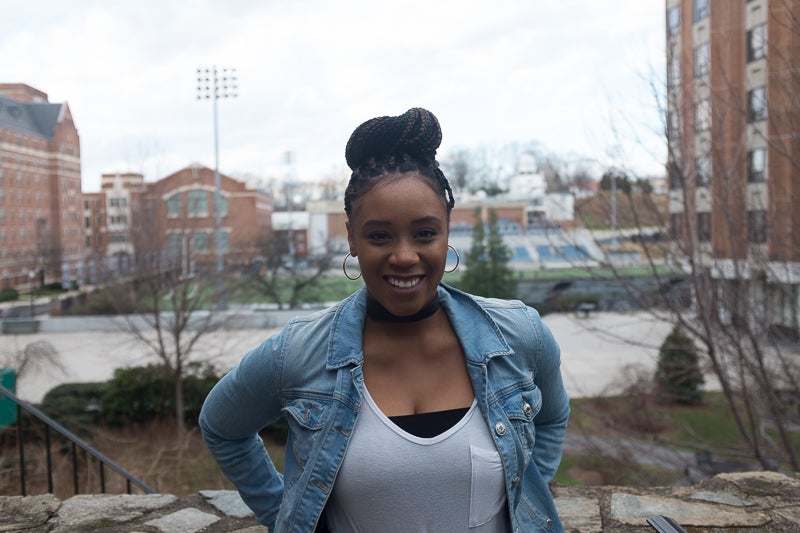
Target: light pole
215, 84
32, 277
289, 158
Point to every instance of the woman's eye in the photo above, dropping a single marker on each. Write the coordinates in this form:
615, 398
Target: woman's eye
378, 236
426, 234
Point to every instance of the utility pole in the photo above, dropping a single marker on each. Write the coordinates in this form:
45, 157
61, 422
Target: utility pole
214, 84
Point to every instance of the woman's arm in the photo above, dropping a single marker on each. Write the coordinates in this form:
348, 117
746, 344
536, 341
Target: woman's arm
242, 403
551, 421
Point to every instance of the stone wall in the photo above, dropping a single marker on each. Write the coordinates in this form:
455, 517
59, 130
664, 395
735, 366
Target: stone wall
751, 501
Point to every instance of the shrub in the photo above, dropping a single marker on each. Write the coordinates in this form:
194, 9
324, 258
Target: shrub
678, 376
75, 405
145, 393
9, 294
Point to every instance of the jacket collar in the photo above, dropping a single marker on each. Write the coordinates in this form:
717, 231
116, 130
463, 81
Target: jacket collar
478, 333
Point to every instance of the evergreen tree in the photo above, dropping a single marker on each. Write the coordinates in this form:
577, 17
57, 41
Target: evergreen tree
487, 271
678, 375
501, 278
475, 260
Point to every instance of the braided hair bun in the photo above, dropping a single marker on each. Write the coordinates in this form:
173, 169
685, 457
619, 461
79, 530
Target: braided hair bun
386, 146
416, 133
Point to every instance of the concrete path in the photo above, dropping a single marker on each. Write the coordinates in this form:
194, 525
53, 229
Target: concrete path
599, 353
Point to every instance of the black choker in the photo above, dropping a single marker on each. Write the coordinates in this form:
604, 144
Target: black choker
379, 313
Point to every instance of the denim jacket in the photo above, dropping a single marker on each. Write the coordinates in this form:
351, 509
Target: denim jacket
311, 372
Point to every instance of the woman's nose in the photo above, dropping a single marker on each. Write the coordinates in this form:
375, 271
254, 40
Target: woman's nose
403, 255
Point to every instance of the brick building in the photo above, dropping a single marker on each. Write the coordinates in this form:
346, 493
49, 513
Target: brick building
733, 114
177, 214
41, 228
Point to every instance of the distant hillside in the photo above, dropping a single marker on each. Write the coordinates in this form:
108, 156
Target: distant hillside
638, 208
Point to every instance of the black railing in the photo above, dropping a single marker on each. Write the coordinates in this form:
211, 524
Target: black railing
75, 443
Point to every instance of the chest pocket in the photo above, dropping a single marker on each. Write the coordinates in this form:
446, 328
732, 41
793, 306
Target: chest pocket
306, 419
521, 407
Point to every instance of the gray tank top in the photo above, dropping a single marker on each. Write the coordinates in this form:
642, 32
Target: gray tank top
392, 481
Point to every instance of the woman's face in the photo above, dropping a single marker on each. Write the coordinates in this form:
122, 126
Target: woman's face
398, 230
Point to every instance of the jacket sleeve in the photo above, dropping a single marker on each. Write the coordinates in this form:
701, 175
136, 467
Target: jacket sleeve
551, 420
240, 404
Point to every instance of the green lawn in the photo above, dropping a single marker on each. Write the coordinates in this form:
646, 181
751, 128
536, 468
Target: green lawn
709, 426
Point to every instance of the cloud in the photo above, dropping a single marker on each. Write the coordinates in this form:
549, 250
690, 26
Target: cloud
310, 72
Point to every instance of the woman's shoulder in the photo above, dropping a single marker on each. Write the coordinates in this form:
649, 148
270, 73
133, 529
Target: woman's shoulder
492, 306
316, 328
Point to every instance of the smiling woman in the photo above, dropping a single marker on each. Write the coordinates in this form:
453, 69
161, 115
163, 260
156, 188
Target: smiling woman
412, 406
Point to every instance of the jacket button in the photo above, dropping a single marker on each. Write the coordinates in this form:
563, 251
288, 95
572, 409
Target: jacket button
500, 428
526, 408
515, 482
549, 522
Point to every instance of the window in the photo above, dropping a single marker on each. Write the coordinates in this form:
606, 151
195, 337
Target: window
223, 205
757, 43
757, 165
702, 167
88, 222
197, 202
674, 74
223, 240
675, 176
174, 205
676, 226
704, 227
702, 115
674, 126
174, 241
700, 10
757, 104
702, 60
673, 21
757, 226
200, 241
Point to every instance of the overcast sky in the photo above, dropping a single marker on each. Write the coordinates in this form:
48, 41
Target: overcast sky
573, 75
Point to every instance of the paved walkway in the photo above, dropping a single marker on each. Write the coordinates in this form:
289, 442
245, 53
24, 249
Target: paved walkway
599, 353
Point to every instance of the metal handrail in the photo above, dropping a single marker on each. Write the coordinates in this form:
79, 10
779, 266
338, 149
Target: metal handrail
76, 442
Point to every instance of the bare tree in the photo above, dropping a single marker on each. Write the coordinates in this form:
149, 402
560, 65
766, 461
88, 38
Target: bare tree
733, 227
37, 356
283, 277
170, 302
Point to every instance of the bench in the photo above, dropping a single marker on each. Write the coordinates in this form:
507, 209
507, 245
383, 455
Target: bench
13, 326
585, 308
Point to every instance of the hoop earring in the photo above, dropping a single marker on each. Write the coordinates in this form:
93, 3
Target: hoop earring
458, 259
344, 268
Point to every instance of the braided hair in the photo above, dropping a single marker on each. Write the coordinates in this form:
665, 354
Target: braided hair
385, 146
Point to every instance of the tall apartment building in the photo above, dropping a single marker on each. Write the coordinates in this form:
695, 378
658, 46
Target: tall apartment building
122, 193
41, 227
108, 224
733, 116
